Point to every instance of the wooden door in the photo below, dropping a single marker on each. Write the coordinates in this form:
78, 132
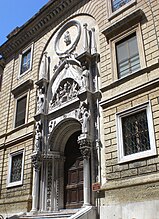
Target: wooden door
73, 197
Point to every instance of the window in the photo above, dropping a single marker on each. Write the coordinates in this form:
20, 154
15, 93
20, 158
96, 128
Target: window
116, 4
26, 60
15, 174
127, 53
135, 134
127, 56
21, 111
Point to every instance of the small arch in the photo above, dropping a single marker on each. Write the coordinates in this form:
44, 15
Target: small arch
61, 133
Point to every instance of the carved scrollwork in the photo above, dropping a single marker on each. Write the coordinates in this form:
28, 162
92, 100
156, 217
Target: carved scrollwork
67, 90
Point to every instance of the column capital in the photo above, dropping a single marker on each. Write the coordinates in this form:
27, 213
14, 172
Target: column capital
36, 160
85, 145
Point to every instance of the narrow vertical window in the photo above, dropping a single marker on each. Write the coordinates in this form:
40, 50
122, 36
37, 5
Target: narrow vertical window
127, 55
26, 61
20, 111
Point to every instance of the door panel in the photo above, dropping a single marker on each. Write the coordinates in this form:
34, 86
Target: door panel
73, 182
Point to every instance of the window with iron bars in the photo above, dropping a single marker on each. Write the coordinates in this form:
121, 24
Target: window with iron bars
135, 133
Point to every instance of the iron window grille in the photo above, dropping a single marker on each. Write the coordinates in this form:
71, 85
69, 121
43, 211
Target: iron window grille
16, 168
135, 133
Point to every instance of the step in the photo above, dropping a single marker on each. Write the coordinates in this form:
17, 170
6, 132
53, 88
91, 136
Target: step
61, 214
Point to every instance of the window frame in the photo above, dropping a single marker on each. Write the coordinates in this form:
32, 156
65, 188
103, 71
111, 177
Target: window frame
112, 14
10, 157
120, 146
137, 30
26, 111
21, 58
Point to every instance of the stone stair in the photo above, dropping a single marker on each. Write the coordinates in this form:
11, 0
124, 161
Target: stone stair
61, 214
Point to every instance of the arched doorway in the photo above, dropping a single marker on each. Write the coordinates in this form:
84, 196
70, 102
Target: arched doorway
73, 173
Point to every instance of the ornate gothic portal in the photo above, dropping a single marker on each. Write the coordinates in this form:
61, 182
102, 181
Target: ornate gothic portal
65, 156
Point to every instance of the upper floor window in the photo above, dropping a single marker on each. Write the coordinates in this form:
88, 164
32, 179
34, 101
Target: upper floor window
15, 172
127, 55
135, 133
116, 4
116, 7
26, 60
21, 111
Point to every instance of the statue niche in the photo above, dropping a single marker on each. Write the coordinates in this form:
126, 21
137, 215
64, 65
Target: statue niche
67, 90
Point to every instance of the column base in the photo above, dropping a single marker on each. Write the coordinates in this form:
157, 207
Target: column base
32, 212
86, 205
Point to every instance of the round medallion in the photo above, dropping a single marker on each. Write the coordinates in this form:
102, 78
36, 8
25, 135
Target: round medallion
68, 38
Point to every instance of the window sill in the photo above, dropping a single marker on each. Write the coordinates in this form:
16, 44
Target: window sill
14, 184
24, 73
121, 10
137, 156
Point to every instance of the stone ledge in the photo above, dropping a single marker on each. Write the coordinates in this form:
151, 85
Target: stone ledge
135, 181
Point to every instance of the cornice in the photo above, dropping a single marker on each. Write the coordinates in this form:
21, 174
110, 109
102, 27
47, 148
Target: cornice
124, 23
33, 27
22, 87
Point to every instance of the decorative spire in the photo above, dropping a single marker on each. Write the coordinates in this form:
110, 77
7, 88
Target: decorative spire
85, 38
93, 42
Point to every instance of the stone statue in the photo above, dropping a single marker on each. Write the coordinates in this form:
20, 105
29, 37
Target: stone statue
38, 136
51, 125
44, 67
84, 117
41, 100
73, 90
85, 77
67, 38
65, 92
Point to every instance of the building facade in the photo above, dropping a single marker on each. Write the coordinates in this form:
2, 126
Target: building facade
79, 123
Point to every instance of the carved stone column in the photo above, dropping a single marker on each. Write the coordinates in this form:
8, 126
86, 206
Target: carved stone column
36, 160
85, 148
